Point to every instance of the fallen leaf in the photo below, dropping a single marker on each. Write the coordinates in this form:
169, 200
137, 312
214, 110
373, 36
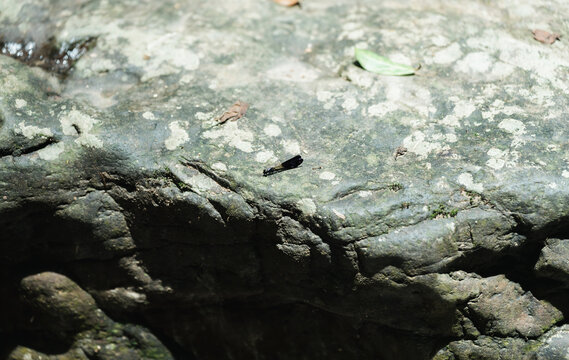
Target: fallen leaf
235, 112
545, 37
286, 2
378, 64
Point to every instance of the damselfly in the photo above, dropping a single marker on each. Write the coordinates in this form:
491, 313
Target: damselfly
287, 165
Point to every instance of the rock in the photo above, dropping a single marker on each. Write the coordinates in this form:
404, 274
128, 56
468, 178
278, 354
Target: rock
24, 353
115, 172
66, 306
488, 348
65, 309
555, 344
552, 262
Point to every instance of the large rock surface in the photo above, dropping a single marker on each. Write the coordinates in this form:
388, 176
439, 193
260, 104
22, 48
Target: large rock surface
118, 189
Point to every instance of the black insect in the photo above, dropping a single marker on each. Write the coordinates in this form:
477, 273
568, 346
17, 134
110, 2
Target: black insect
287, 165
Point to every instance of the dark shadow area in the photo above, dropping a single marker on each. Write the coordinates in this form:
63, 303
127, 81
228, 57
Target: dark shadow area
235, 293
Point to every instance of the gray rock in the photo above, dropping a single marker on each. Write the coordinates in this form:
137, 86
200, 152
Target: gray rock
553, 261
555, 344
115, 172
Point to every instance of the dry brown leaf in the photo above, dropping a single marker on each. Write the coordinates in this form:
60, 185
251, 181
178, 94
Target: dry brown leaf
545, 37
235, 112
286, 2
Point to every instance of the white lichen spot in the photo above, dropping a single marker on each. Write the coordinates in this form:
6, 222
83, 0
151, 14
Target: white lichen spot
364, 193
350, 103
448, 55
327, 175
339, 214
74, 118
203, 116
351, 31
272, 130
451, 226
501, 70
168, 53
514, 127
451, 138
20, 103
74, 121
307, 206
399, 92
148, 115
187, 78
324, 95
565, 174
497, 158
523, 11
474, 63
52, 151
450, 120
178, 135
230, 134
442, 184
291, 146
552, 185
293, 70
89, 140
463, 109
264, 156
440, 40
417, 143
382, 108
219, 166
31, 131
467, 180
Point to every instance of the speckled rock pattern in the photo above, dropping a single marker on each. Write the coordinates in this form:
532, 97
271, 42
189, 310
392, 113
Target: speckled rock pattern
117, 175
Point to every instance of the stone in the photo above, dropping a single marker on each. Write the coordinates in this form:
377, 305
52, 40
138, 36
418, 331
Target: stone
63, 308
552, 262
488, 348
555, 344
134, 225
65, 304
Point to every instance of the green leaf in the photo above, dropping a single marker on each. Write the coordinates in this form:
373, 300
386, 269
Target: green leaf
380, 64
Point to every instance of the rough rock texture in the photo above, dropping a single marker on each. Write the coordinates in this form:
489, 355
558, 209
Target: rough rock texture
66, 312
115, 174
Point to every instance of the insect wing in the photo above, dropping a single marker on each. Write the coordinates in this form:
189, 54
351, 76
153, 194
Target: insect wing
292, 163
